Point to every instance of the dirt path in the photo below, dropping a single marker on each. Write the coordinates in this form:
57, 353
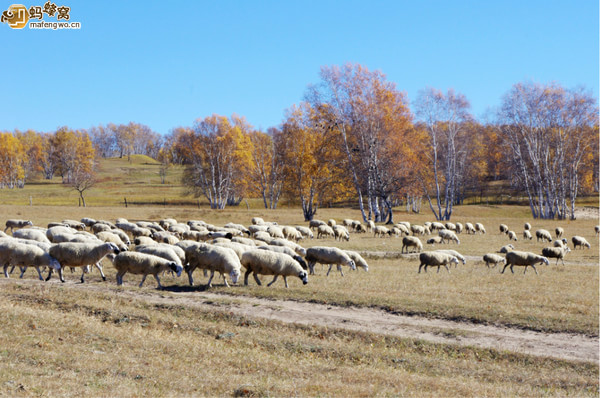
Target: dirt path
556, 345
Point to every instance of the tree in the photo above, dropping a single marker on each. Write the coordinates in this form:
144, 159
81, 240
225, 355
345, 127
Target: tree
73, 150
81, 181
443, 117
103, 140
266, 173
12, 161
548, 130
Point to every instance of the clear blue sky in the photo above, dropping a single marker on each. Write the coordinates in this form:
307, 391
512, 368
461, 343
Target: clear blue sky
167, 63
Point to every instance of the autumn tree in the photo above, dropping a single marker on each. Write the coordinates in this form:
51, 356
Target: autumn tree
266, 171
12, 161
74, 151
33, 146
103, 140
548, 131
443, 117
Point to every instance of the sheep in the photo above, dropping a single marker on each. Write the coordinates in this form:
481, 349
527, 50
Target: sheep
291, 233
347, 222
17, 224
243, 241
144, 240
100, 227
450, 226
404, 229
527, 235
213, 258
325, 231
165, 251
559, 231
31, 234
370, 225
257, 228
411, 241
506, 249
361, 229
560, 243
23, 256
395, 231
580, 241
470, 228
328, 255
359, 261
75, 254
597, 230
543, 235
239, 227
107, 236
437, 226
436, 259
263, 236
265, 262
381, 231
503, 229
454, 253
526, 259
512, 235
556, 252
434, 240
220, 234
238, 248
340, 232
492, 258
417, 229
331, 222
312, 224
275, 232
143, 264
196, 235
257, 221
306, 232
480, 228
89, 222
527, 226
448, 235
294, 246
459, 228
74, 224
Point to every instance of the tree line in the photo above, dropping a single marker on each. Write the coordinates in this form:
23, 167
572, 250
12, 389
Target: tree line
353, 139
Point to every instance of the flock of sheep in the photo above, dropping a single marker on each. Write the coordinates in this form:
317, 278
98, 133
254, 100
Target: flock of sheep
263, 248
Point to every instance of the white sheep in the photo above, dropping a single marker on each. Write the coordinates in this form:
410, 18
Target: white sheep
306, 232
74, 224
492, 258
238, 248
435, 239
480, 228
257, 221
543, 235
12, 223
75, 254
506, 249
527, 234
100, 227
325, 231
293, 245
291, 233
213, 258
559, 231
417, 229
359, 261
448, 235
580, 241
560, 243
437, 226
312, 224
340, 232
331, 222
558, 253
89, 222
470, 228
450, 226
143, 264
459, 228
503, 229
265, 262
31, 234
525, 259
243, 241
165, 251
263, 236
370, 225
436, 259
107, 236
453, 253
347, 222
23, 255
404, 229
380, 231
144, 240
239, 227
512, 235
328, 255
411, 241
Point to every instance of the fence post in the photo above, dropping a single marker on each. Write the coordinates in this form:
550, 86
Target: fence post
125, 202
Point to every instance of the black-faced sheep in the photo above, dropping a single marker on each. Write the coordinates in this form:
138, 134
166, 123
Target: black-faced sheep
597, 230
512, 235
559, 231
503, 229
492, 258
544, 235
435, 239
328, 255
480, 228
265, 262
506, 249
312, 224
558, 253
436, 259
75, 254
411, 241
143, 264
527, 226
580, 241
525, 259
527, 235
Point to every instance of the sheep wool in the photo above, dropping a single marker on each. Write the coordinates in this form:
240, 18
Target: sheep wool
143, 264
526, 259
436, 259
213, 258
411, 241
23, 256
265, 262
75, 254
556, 252
328, 255
492, 258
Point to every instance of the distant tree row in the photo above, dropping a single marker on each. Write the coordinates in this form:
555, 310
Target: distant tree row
355, 139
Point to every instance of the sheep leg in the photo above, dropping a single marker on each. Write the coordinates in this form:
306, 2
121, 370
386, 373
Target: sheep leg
61, 275
120, 277
246, 274
330, 266
225, 280
82, 274
273, 281
285, 280
506, 265
157, 281
49, 275
533, 266
420, 265
311, 267
6, 271
447, 269
190, 271
143, 280
212, 273
256, 279
99, 266
339, 267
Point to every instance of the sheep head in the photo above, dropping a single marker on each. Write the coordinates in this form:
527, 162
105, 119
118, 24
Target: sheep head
303, 276
234, 274
176, 268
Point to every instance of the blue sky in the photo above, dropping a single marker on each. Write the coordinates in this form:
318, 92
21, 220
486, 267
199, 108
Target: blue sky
167, 63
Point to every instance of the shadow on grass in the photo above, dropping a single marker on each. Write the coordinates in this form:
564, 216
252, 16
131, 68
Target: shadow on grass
186, 288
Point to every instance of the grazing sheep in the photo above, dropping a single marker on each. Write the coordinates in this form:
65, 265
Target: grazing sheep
331, 222
263, 236
75, 254
294, 246
559, 231
359, 261
89, 222
417, 229
239, 227
143, 264
312, 224
506, 249
98, 227
380, 231
107, 236
257, 228
266, 262
165, 251
328, 255
525, 259
453, 253
527, 234
325, 231
459, 228
448, 235
492, 258
450, 226
411, 241
437, 226
213, 258
291, 233
470, 228
341, 232
361, 229
480, 228
512, 235
436, 259
144, 240
17, 224
503, 229
404, 229
560, 243
275, 232
243, 241
285, 250
580, 241
597, 230
347, 222
358, 227
527, 226
370, 225
558, 253
434, 240
23, 256
306, 232
543, 235
74, 224
31, 234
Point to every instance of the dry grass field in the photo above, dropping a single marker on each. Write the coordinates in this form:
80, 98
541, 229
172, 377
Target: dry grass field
66, 339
